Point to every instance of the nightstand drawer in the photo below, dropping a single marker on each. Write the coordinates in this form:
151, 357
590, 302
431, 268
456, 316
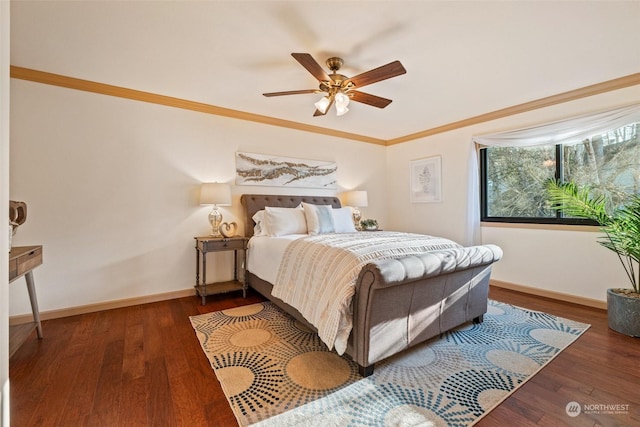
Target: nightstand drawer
24, 259
221, 245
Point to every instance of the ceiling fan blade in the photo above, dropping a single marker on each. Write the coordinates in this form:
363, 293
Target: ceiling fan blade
291, 92
311, 66
384, 72
366, 98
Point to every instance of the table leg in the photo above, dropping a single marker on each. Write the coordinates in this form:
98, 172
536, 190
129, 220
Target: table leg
204, 277
31, 288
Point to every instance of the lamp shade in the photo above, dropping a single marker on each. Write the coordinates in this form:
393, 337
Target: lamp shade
323, 104
357, 198
342, 101
215, 193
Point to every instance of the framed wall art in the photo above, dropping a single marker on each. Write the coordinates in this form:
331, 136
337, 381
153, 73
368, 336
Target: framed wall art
426, 180
278, 171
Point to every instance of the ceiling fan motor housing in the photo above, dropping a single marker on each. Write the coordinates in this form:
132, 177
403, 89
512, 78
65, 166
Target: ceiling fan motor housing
334, 63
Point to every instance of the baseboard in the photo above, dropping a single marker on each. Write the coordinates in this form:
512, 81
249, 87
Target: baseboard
589, 302
72, 311
108, 305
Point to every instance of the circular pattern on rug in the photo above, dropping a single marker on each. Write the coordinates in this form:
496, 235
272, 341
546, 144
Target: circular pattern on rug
489, 331
431, 360
557, 339
250, 379
243, 311
408, 415
250, 338
511, 361
495, 310
487, 357
318, 370
235, 378
253, 335
210, 322
301, 364
389, 402
298, 334
419, 356
465, 387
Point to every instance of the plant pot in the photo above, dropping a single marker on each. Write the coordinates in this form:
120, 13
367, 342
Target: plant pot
623, 313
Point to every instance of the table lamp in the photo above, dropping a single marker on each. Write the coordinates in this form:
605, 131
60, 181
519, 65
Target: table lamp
216, 194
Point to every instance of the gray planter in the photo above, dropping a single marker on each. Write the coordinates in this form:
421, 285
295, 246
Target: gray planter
623, 313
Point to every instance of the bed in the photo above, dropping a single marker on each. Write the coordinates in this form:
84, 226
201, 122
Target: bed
392, 301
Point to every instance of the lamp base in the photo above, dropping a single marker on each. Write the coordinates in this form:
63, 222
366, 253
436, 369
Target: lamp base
215, 219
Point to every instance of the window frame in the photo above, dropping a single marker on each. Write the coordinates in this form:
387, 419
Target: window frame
558, 219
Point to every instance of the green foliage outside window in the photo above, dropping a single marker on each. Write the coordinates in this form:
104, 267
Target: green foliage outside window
514, 178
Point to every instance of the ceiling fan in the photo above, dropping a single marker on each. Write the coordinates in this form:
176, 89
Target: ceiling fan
340, 89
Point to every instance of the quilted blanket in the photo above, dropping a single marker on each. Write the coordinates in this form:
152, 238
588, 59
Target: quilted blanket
317, 274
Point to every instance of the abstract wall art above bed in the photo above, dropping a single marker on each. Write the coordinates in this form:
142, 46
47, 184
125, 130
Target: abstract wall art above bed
277, 171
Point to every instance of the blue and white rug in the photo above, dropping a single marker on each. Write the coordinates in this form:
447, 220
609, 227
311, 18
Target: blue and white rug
276, 372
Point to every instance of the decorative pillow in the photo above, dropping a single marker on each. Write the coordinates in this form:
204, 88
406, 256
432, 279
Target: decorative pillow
284, 221
260, 228
319, 218
343, 220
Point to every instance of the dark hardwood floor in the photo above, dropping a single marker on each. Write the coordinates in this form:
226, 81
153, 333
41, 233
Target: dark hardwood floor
143, 366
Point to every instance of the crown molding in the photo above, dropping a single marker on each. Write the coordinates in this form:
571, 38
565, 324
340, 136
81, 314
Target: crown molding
153, 98
121, 92
584, 92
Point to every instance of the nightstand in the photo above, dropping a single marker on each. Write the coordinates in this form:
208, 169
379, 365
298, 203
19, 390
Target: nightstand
22, 261
207, 244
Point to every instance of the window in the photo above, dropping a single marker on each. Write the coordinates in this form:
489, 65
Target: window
513, 178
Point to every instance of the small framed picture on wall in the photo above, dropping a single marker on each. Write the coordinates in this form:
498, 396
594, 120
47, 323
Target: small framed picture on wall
426, 180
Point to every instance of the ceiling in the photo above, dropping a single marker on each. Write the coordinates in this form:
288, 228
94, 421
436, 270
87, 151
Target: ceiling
463, 58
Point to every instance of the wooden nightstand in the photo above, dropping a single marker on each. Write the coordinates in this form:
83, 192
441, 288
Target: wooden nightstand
22, 261
208, 244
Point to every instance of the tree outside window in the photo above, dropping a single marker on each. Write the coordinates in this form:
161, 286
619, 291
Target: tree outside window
513, 179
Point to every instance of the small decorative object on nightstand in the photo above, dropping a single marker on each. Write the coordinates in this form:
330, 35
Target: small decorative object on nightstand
356, 199
369, 225
228, 229
208, 244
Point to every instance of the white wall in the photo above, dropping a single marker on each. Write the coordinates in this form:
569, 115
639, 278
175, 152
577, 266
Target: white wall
112, 186
112, 189
560, 261
4, 212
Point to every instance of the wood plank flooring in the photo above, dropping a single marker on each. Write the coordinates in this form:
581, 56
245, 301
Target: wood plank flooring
143, 366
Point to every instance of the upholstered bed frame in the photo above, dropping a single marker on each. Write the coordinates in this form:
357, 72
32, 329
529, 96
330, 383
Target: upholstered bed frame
398, 303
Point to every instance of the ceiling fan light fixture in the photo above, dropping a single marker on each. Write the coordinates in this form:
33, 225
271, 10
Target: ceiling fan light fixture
342, 101
341, 111
323, 104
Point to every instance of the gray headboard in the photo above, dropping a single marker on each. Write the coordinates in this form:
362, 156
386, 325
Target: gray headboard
252, 203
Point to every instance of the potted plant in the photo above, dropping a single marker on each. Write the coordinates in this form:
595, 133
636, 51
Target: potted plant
622, 236
369, 224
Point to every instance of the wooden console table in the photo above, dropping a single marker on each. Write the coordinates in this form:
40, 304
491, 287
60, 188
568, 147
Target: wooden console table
22, 261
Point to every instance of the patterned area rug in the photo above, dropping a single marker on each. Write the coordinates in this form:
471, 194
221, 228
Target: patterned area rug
276, 372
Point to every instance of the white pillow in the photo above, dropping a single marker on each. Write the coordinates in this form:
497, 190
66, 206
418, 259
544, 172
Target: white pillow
319, 218
284, 221
343, 220
260, 228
